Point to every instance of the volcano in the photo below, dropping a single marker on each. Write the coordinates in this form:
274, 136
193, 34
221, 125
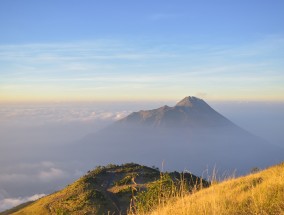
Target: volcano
190, 135
191, 112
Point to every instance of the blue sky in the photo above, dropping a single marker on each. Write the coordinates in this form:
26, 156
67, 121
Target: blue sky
141, 50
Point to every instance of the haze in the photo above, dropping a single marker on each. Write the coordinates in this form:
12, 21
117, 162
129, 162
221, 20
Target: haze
68, 69
32, 133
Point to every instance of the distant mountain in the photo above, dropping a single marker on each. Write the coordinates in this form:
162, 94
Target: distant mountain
104, 190
191, 135
189, 112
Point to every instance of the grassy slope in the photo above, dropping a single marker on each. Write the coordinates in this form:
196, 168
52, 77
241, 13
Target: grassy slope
101, 190
258, 193
105, 190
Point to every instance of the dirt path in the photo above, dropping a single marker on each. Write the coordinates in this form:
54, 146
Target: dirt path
109, 195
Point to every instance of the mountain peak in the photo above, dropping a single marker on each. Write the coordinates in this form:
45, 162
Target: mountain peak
189, 112
190, 101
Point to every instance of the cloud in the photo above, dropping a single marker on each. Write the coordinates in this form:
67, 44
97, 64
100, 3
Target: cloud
19, 181
80, 56
120, 115
51, 175
103, 70
25, 173
12, 202
57, 113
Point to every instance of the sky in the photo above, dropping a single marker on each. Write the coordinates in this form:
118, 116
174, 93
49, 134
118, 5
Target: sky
141, 50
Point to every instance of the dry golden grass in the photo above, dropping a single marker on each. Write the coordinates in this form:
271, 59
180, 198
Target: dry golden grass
260, 193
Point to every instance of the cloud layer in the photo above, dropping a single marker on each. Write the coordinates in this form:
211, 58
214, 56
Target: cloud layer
58, 113
29, 159
12, 202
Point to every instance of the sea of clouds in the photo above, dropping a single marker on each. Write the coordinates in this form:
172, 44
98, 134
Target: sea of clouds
30, 134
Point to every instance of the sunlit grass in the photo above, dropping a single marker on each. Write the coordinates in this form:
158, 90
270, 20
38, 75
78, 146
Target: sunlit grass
259, 193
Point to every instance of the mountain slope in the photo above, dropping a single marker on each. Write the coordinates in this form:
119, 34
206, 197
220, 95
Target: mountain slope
258, 193
102, 191
189, 112
190, 135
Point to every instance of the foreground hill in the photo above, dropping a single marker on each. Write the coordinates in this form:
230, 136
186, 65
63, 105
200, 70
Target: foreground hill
190, 135
259, 193
105, 190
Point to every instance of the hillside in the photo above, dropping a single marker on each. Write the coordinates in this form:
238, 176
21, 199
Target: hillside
258, 193
104, 190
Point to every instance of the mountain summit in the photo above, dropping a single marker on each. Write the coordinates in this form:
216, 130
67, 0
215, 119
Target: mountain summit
193, 102
189, 112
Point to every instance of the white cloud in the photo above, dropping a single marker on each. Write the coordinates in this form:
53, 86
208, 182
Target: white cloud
106, 115
56, 113
24, 173
120, 115
12, 202
51, 174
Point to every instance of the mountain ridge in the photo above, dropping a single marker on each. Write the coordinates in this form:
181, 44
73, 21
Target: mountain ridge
190, 111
